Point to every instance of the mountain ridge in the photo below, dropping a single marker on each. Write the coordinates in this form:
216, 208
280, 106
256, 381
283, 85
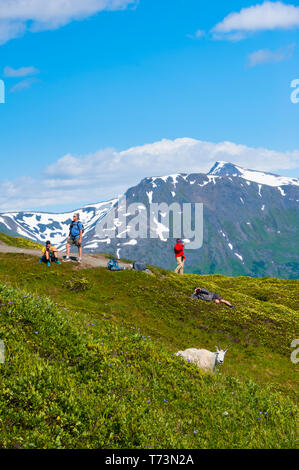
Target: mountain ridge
250, 221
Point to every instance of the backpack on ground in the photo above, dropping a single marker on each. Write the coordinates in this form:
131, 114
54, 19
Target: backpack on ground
113, 265
139, 266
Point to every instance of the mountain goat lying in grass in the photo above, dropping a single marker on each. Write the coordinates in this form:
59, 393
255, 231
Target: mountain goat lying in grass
205, 360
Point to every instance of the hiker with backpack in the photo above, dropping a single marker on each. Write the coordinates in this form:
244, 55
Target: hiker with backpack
180, 256
204, 294
49, 254
75, 237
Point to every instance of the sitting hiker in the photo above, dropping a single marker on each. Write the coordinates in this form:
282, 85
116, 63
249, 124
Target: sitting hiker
75, 237
204, 294
50, 253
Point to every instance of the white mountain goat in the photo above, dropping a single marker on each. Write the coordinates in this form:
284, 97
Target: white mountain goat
205, 360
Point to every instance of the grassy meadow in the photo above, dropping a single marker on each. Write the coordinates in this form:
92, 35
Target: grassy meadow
90, 359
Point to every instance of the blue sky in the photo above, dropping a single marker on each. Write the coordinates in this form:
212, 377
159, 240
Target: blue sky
125, 78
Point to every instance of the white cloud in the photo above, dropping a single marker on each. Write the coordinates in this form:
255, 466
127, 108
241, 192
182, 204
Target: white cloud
10, 30
23, 84
267, 16
266, 56
17, 16
76, 180
21, 72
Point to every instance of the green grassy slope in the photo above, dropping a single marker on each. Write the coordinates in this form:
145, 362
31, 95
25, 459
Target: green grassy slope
19, 242
98, 370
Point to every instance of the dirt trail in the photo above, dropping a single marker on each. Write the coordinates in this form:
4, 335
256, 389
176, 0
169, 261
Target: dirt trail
88, 261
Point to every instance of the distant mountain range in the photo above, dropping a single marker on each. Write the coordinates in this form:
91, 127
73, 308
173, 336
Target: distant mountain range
251, 222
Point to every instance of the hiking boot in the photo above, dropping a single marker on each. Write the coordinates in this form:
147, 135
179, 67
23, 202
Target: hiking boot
67, 258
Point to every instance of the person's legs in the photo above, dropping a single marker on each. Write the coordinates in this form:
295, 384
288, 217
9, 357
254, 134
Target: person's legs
226, 302
219, 300
55, 258
67, 250
179, 265
69, 242
79, 246
47, 258
182, 264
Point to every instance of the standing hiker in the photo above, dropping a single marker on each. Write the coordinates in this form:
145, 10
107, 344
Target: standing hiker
75, 237
180, 256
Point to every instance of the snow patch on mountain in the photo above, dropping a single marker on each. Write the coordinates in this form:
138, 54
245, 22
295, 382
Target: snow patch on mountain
132, 242
41, 226
239, 256
260, 177
174, 178
3, 221
282, 192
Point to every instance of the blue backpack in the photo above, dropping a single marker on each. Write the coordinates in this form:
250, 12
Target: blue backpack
139, 266
113, 265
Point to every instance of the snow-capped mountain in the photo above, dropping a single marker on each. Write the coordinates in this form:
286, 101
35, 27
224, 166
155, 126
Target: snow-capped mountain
251, 222
269, 179
42, 226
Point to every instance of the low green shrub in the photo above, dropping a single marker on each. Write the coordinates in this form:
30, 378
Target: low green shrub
72, 379
77, 285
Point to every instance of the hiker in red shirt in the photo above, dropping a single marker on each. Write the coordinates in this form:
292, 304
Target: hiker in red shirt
180, 256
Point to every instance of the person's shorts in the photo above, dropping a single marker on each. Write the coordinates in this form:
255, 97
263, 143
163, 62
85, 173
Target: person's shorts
74, 241
216, 297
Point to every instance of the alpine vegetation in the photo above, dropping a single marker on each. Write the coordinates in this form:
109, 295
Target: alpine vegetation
204, 359
99, 371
